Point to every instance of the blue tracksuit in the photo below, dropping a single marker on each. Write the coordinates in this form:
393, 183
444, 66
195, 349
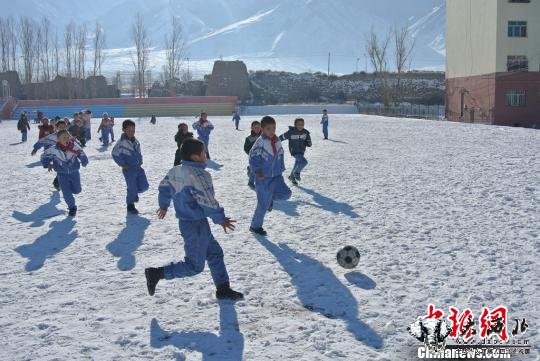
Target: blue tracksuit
204, 130
268, 160
236, 119
190, 188
128, 152
324, 122
105, 132
298, 141
46, 142
66, 164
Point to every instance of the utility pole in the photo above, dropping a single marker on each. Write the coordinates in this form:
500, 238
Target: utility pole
357, 60
328, 64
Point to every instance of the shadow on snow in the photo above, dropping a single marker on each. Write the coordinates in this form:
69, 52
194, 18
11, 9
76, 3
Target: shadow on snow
41, 213
228, 345
60, 235
128, 240
319, 290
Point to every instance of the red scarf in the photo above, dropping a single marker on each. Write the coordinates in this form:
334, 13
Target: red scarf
69, 147
273, 141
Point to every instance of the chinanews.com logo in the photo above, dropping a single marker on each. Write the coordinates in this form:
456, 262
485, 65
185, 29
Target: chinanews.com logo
459, 336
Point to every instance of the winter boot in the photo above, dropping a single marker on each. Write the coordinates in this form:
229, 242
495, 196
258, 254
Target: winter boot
55, 183
72, 212
260, 231
297, 177
225, 292
271, 206
153, 275
131, 209
251, 185
293, 180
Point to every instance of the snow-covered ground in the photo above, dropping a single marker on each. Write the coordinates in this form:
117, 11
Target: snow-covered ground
441, 212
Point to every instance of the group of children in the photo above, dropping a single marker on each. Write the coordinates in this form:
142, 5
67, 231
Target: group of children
187, 185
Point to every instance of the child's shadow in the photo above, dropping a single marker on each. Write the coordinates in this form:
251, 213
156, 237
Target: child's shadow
59, 237
34, 165
319, 290
103, 148
16, 143
336, 141
330, 204
227, 346
127, 241
213, 165
41, 213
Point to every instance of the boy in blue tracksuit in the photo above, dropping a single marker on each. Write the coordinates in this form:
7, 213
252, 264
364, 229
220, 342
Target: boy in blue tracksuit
48, 142
266, 161
324, 122
204, 128
248, 144
190, 188
127, 154
236, 119
299, 139
64, 159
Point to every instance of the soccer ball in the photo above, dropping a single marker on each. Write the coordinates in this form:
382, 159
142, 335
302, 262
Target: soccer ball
348, 257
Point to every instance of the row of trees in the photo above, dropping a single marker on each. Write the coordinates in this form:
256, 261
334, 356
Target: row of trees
378, 50
36, 51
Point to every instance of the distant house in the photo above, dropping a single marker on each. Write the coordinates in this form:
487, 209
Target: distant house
493, 62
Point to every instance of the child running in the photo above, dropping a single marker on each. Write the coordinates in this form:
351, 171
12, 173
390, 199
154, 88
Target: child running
127, 154
48, 142
45, 128
248, 144
64, 159
190, 188
76, 129
105, 128
266, 161
182, 134
204, 128
299, 139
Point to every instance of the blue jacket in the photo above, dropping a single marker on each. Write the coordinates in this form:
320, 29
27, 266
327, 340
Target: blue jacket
298, 140
262, 157
203, 131
46, 142
324, 120
190, 188
64, 161
127, 152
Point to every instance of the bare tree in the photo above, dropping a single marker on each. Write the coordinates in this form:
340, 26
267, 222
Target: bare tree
38, 46
377, 50
4, 45
14, 41
56, 62
99, 42
27, 34
68, 48
174, 50
80, 46
46, 48
142, 49
404, 44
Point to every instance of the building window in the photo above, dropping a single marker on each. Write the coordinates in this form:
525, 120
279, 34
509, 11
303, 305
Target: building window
519, 1
517, 63
516, 98
517, 29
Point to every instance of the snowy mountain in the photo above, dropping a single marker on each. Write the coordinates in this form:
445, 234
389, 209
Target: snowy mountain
276, 34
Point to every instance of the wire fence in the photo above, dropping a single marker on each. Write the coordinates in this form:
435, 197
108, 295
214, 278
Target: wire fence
405, 110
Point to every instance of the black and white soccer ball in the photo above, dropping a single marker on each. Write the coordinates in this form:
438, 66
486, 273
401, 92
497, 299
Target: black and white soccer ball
348, 257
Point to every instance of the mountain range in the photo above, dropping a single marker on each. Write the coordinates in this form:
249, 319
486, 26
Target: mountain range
289, 35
